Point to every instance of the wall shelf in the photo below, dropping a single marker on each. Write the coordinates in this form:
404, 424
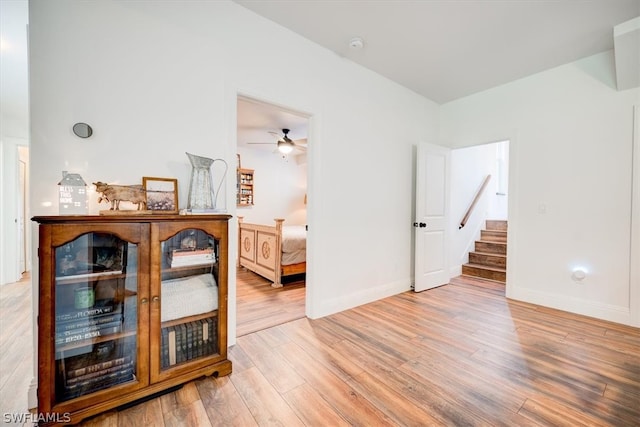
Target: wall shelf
245, 187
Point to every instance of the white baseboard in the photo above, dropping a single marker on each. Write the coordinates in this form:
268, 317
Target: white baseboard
346, 302
597, 310
32, 394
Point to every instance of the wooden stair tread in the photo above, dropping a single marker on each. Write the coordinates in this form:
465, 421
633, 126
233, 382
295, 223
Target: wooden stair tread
500, 232
486, 267
492, 241
488, 254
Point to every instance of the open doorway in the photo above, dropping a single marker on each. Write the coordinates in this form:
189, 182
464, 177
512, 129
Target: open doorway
16, 248
271, 184
479, 206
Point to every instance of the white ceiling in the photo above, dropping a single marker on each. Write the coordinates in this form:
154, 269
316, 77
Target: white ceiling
447, 49
256, 120
442, 49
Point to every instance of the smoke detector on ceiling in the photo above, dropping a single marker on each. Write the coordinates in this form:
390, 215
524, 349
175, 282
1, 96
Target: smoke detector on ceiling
356, 43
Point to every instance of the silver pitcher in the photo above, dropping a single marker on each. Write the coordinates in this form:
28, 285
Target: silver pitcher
202, 196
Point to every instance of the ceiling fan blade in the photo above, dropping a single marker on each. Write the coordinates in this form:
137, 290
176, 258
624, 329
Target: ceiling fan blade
301, 142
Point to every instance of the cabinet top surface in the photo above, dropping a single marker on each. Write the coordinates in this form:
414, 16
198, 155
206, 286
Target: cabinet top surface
128, 218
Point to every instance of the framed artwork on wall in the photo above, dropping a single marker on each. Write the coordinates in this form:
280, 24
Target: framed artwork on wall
162, 194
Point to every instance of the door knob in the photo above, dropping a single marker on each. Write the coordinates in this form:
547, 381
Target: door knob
419, 224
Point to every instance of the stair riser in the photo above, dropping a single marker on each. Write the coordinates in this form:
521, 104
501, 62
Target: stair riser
492, 224
498, 276
493, 235
490, 260
491, 248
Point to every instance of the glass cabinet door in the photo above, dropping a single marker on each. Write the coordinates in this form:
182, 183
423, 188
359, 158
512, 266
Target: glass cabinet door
189, 298
96, 314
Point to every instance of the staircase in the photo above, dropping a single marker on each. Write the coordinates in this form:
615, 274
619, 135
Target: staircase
489, 259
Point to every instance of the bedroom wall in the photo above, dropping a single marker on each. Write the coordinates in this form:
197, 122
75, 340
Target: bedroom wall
158, 78
571, 136
280, 184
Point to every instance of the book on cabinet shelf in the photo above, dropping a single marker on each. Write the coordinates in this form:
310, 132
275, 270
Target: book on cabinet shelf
101, 382
96, 321
189, 257
88, 275
116, 369
187, 341
113, 364
106, 364
91, 313
73, 336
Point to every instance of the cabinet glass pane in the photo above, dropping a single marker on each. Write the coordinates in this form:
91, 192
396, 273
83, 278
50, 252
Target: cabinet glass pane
95, 314
189, 297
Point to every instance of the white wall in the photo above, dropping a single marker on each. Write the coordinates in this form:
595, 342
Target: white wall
157, 78
14, 133
279, 187
469, 168
570, 182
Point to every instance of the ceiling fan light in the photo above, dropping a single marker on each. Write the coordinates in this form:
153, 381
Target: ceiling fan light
285, 147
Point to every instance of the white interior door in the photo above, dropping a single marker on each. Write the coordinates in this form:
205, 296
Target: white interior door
432, 217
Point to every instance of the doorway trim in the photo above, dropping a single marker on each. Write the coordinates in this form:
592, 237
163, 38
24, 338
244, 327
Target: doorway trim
634, 273
511, 204
313, 154
14, 210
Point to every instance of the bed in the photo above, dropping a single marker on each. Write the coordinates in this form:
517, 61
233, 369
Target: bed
272, 251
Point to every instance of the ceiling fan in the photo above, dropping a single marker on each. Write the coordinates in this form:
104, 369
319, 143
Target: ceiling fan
285, 144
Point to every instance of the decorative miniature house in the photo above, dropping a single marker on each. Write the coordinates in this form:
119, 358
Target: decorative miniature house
72, 194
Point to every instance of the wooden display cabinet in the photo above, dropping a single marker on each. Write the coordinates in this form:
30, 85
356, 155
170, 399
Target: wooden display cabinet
245, 187
129, 306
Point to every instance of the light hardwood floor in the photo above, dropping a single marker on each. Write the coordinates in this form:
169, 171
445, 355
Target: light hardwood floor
260, 306
460, 354
16, 346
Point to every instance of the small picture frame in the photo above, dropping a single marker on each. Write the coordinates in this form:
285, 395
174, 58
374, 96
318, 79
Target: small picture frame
162, 194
